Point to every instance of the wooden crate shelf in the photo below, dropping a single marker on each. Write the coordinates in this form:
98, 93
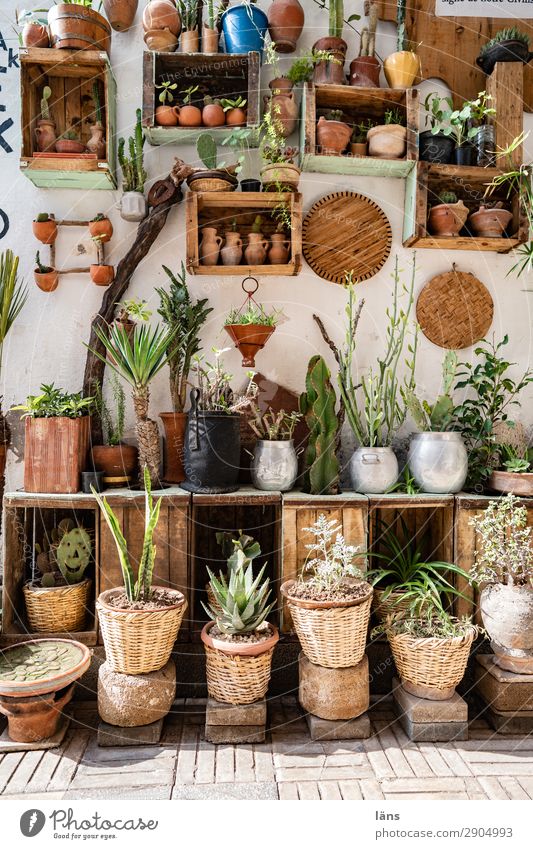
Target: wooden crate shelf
217, 74
70, 74
422, 188
218, 209
357, 104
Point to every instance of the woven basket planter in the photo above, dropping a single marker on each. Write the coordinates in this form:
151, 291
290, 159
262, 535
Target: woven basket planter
211, 599
237, 673
139, 641
332, 634
390, 606
57, 610
431, 667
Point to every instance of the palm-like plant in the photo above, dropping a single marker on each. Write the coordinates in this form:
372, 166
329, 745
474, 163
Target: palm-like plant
13, 295
137, 361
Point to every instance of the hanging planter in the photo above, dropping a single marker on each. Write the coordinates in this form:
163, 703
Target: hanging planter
250, 327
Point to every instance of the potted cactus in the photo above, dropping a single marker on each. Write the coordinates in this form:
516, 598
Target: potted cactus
190, 39
211, 178
448, 217
116, 459
235, 110
210, 33
45, 228
46, 278
45, 131
331, 71
364, 70
402, 67
100, 227
508, 45
133, 203
57, 599
317, 405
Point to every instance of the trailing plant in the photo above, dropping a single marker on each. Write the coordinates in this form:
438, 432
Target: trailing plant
317, 405
334, 560
253, 314
507, 34
166, 88
504, 552
45, 109
214, 385
53, 403
272, 425
133, 173
440, 415
113, 427
242, 600
66, 558
184, 319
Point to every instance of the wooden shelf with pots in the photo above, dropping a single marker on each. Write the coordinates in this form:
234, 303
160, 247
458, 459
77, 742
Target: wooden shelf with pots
70, 74
357, 104
469, 183
219, 209
219, 75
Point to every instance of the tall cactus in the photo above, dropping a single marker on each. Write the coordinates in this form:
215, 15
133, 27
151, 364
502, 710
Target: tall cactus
317, 404
133, 173
439, 416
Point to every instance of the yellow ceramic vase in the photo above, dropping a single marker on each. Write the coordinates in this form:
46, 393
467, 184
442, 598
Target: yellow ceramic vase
401, 69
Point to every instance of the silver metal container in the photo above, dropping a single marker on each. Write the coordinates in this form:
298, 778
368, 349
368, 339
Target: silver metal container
274, 465
373, 470
438, 461
133, 206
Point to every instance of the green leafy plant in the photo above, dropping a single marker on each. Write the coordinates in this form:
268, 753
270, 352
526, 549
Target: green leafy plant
334, 560
317, 404
360, 130
272, 425
214, 385
394, 116
133, 174
188, 93
504, 551
462, 123
188, 10
405, 484
514, 460
98, 111
53, 403
233, 103
141, 588
336, 16
440, 415
166, 88
302, 68
242, 601
133, 309
507, 34
113, 427
435, 114
98, 217
253, 314
42, 217
13, 296
206, 147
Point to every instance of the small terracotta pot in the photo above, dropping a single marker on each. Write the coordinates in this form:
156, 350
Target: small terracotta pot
210, 39
242, 649
280, 250
490, 223
331, 73
115, 461
401, 69
35, 35
97, 143
45, 231
45, 135
285, 24
69, 146
236, 117
387, 141
210, 245
213, 115
249, 339
161, 14
283, 105
161, 40
189, 116
190, 41
103, 229
364, 72
47, 282
167, 116
332, 136
174, 425
231, 252
358, 148
102, 275
120, 13
283, 174
447, 219
35, 718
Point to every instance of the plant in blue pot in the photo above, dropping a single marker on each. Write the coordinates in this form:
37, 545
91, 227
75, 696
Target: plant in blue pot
244, 26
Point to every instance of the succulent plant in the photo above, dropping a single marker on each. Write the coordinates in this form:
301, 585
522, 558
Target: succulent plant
206, 147
66, 556
508, 34
317, 404
242, 600
45, 109
439, 416
133, 173
447, 197
42, 217
238, 551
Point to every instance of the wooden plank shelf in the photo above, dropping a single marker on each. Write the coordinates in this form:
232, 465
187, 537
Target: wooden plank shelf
357, 105
469, 183
71, 75
216, 74
218, 209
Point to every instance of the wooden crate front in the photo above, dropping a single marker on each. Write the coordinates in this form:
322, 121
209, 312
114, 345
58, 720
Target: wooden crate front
70, 74
218, 75
422, 190
218, 209
300, 511
357, 104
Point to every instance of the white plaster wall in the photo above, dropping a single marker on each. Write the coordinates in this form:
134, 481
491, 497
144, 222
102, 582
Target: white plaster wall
47, 342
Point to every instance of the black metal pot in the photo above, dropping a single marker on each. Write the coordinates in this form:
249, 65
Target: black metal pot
464, 155
506, 51
251, 185
435, 148
212, 450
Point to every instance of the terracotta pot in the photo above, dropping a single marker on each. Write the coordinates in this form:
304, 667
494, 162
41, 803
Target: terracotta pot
79, 28
69, 146
285, 24
213, 115
516, 483
174, 425
47, 282
120, 13
167, 116
256, 249
490, 223
280, 250
45, 231
249, 339
231, 252
35, 35
55, 453
189, 116
161, 14
115, 461
447, 219
236, 117
241, 649
331, 73
161, 40
283, 174
364, 72
45, 135
103, 229
358, 148
283, 106
387, 141
332, 136
35, 718
102, 275
210, 246
190, 41
97, 143
210, 39
401, 69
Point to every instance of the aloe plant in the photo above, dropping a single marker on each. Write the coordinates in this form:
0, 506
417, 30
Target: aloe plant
243, 600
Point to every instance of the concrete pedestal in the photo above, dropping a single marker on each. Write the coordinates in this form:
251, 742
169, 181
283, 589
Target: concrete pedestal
431, 721
143, 735
339, 729
129, 701
225, 723
334, 694
508, 696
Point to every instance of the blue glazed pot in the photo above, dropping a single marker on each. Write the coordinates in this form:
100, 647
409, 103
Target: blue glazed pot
244, 29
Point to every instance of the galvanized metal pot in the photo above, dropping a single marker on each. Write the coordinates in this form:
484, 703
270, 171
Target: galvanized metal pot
373, 470
438, 461
274, 466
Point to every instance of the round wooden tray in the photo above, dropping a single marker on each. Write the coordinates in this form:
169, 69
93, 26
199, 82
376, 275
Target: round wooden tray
454, 310
344, 232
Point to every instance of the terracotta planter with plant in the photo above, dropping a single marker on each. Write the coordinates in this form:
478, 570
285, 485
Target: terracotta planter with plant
365, 69
100, 227
118, 461
448, 217
332, 133
34, 29
331, 71
45, 228
402, 67
166, 115
388, 140
358, 140
190, 38
235, 111
45, 131
46, 278
210, 29
102, 275
250, 328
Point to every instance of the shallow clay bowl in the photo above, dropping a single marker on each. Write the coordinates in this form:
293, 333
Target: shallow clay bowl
52, 683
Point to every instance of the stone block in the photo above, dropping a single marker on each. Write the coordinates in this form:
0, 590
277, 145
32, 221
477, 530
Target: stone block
222, 713
503, 691
334, 694
235, 733
142, 735
132, 700
510, 722
426, 721
340, 729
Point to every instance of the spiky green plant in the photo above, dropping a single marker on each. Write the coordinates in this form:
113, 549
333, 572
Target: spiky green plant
140, 589
112, 426
13, 295
133, 173
238, 551
98, 111
440, 415
317, 404
45, 109
243, 600
507, 34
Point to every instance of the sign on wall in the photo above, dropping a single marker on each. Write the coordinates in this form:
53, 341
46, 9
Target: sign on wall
518, 9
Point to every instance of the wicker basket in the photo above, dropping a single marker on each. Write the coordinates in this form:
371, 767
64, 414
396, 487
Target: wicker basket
238, 678
139, 641
390, 607
57, 610
211, 600
331, 636
432, 665
212, 182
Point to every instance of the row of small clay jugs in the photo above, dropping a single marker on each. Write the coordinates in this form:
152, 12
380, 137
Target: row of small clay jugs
230, 248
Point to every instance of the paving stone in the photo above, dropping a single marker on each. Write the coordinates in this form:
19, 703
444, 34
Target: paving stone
342, 729
434, 732
132, 700
502, 690
222, 713
143, 735
425, 710
162, 791
334, 694
235, 733
243, 790
510, 722
9, 745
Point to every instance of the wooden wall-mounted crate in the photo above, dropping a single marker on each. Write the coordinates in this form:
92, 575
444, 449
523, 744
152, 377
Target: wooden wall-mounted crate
427, 181
70, 74
300, 511
216, 74
357, 104
218, 209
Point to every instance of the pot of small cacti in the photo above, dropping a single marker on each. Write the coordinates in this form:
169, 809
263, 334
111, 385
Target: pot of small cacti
132, 204
45, 228
330, 601
211, 178
317, 405
139, 621
100, 227
508, 45
45, 131
274, 465
57, 599
116, 459
365, 69
250, 328
388, 140
437, 455
70, 144
213, 114
332, 133
448, 217
358, 140
238, 641
46, 278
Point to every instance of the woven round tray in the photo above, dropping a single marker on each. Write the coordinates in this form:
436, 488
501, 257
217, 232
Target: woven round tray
454, 310
344, 232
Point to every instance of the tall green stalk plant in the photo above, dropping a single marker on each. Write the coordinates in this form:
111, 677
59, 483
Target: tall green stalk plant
13, 295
